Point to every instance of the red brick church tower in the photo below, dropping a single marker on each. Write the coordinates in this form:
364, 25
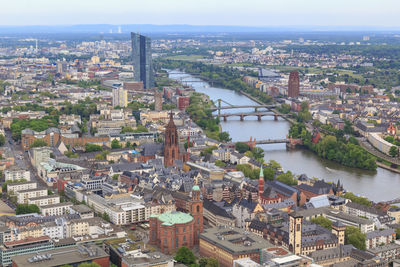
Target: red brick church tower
261, 183
171, 143
196, 210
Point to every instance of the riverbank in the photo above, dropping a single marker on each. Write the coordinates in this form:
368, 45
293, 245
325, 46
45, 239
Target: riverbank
372, 184
384, 166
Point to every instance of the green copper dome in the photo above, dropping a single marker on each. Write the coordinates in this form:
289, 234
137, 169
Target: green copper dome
195, 188
174, 217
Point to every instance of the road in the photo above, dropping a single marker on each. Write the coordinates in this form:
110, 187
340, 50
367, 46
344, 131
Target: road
21, 158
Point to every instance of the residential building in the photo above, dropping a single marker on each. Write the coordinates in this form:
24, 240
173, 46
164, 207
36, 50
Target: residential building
24, 195
16, 174
15, 187
379, 238
120, 97
56, 209
44, 200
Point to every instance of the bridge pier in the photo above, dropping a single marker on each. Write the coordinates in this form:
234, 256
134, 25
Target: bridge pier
225, 118
255, 109
259, 117
241, 117
275, 117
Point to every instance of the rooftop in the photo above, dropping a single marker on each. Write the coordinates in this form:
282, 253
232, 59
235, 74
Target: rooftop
62, 256
5, 209
235, 240
174, 217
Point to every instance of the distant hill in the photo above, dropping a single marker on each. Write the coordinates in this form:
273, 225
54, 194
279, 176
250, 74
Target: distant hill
150, 28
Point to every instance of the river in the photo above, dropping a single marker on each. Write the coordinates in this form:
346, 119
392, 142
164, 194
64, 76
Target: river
377, 185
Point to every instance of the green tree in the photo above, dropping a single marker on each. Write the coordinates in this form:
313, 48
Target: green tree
324, 222
208, 150
115, 144
394, 151
208, 262
115, 176
4, 185
220, 163
185, 256
258, 153
27, 208
274, 164
39, 143
397, 233
105, 216
224, 137
141, 129
360, 200
2, 140
269, 174
287, 178
127, 129
70, 154
242, 147
88, 264
93, 148
354, 237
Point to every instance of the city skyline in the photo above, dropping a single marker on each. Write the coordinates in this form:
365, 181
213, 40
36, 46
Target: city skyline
253, 13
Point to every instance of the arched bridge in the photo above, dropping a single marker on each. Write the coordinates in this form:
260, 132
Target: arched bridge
259, 115
394, 201
290, 142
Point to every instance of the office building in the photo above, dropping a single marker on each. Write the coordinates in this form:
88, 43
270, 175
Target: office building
22, 247
141, 58
157, 101
120, 97
294, 84
64, 256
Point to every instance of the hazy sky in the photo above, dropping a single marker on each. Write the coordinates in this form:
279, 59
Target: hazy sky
201, 12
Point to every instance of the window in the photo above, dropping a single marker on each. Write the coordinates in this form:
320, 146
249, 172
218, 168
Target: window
176, 242
165, 241
298, 227
198, 208
198, 221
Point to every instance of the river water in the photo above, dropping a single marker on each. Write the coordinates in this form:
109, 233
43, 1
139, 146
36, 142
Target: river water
377, 185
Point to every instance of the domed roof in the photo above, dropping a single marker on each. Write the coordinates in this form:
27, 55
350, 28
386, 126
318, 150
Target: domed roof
174, 217
195, 188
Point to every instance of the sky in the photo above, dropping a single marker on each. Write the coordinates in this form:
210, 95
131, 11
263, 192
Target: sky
383, 13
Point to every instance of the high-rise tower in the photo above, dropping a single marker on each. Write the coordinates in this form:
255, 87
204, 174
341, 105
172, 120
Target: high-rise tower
294, 84
141, 59
119, 97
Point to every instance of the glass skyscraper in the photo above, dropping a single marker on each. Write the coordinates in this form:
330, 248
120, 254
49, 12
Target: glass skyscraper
141, 58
